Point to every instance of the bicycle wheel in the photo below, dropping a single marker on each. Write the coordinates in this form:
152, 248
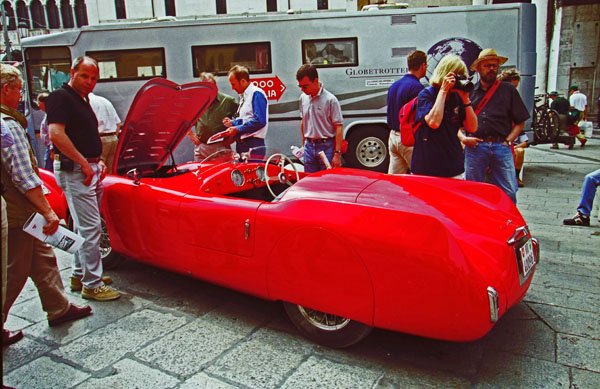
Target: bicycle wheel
553, 125
541, 119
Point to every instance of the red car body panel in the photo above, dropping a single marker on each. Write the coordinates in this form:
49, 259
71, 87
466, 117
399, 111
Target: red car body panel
408, 253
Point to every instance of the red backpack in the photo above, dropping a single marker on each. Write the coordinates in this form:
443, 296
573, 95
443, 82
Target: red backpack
408, 127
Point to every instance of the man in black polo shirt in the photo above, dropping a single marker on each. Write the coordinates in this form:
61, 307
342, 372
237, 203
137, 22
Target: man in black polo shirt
79, 172
499, 123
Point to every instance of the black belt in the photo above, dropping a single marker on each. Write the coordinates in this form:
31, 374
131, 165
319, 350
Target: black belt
494, 139
90, 160
107, 133
318, 140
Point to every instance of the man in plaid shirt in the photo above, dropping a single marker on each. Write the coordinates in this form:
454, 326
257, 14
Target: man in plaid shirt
28, 256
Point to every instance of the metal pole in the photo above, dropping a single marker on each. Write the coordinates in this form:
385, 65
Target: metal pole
5, 33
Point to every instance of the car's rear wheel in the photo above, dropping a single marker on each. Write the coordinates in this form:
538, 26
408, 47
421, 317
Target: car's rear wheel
326, 329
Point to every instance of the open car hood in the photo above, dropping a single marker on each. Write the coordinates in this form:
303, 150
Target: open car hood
159, 117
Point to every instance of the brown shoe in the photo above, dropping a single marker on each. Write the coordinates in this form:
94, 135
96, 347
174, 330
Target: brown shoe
76, 284
520, 183
73, 313
101, 293
11, 337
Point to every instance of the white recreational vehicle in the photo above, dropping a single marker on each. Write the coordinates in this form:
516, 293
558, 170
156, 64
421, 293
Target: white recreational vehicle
358, 55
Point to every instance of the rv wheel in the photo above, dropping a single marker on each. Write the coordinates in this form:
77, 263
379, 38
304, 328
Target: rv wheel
367, 149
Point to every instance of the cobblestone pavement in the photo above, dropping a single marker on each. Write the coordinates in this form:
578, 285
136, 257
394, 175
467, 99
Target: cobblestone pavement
170, 331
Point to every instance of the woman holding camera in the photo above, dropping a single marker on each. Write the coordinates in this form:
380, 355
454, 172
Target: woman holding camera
442, 109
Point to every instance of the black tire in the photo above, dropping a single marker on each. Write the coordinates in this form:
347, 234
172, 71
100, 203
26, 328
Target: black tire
542, 125
326, 329
368, 149
553, 125
110, 259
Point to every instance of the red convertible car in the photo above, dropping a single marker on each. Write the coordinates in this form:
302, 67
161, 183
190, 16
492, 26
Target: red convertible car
345, 250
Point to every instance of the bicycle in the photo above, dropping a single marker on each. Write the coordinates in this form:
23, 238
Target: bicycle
545, 121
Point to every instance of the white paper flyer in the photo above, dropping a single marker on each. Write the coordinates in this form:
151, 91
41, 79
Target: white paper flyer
63, 238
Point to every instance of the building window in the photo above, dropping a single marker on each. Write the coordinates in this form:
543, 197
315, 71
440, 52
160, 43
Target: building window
128, 65
10, 15
37, 14
271, 5
218, 59
66, 12
120, 8
81, 13
221, 7
52, 12
322, 4
170, 7
330, 52
22, 13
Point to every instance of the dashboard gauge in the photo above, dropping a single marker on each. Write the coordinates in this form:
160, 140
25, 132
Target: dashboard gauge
237, 177
260, 173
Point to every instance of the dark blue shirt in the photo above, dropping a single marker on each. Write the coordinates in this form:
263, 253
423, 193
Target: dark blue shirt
504, 108
401, 92
438, 152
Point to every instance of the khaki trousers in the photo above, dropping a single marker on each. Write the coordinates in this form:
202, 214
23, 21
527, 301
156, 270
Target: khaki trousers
109, 147
400, 155
29, 257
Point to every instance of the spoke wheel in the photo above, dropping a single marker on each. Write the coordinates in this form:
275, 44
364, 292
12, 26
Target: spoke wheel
325, 328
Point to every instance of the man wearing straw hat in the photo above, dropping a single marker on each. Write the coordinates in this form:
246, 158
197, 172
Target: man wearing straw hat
501, 115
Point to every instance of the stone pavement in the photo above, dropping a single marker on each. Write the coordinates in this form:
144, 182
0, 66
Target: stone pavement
170, 331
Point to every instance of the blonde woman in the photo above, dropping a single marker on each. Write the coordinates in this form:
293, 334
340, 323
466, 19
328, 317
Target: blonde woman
442, 109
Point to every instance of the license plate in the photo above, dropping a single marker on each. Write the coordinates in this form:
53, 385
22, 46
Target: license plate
526, 257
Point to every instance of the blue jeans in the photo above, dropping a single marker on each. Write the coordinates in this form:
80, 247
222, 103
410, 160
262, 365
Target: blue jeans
499, 158
84, 204
48, 162
312, 161
243, 145
590, 183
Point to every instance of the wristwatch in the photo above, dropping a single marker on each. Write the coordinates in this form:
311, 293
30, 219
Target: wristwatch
338, 151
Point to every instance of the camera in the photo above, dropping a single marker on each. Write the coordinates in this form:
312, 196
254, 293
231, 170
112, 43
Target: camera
463, 83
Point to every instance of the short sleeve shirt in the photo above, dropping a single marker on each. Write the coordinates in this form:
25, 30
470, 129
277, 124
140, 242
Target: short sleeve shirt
578, 101
438, 152
401, 92
504, 108
65, 106
320, 114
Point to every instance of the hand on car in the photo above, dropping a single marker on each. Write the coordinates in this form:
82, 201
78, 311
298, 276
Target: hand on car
336, 161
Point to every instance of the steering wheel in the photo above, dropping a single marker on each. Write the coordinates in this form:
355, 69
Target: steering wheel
281, 177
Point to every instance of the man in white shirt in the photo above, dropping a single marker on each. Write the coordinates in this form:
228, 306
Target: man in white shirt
109, 124
578, 110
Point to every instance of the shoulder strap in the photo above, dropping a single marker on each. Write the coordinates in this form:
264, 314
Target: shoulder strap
487, 97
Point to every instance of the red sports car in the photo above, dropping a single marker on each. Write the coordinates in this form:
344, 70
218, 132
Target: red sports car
345, 250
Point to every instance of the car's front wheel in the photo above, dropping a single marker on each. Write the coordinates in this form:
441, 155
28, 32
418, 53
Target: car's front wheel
110, 259
326, 329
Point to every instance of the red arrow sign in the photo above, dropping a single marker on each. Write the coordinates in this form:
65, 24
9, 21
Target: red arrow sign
272, 86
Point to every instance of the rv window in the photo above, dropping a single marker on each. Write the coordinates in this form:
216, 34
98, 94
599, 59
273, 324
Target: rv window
218, 59
330, 52
128, 65
47, 69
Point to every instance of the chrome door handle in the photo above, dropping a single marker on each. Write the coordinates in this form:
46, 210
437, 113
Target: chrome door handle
246, 229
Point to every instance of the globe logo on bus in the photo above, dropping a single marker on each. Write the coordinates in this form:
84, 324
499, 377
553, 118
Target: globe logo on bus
463, 47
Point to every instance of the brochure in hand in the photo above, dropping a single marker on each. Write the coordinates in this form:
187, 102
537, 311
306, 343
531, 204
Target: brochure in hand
63, 238
218, 137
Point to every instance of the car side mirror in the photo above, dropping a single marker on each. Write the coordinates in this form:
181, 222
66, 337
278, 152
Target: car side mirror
135, 175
